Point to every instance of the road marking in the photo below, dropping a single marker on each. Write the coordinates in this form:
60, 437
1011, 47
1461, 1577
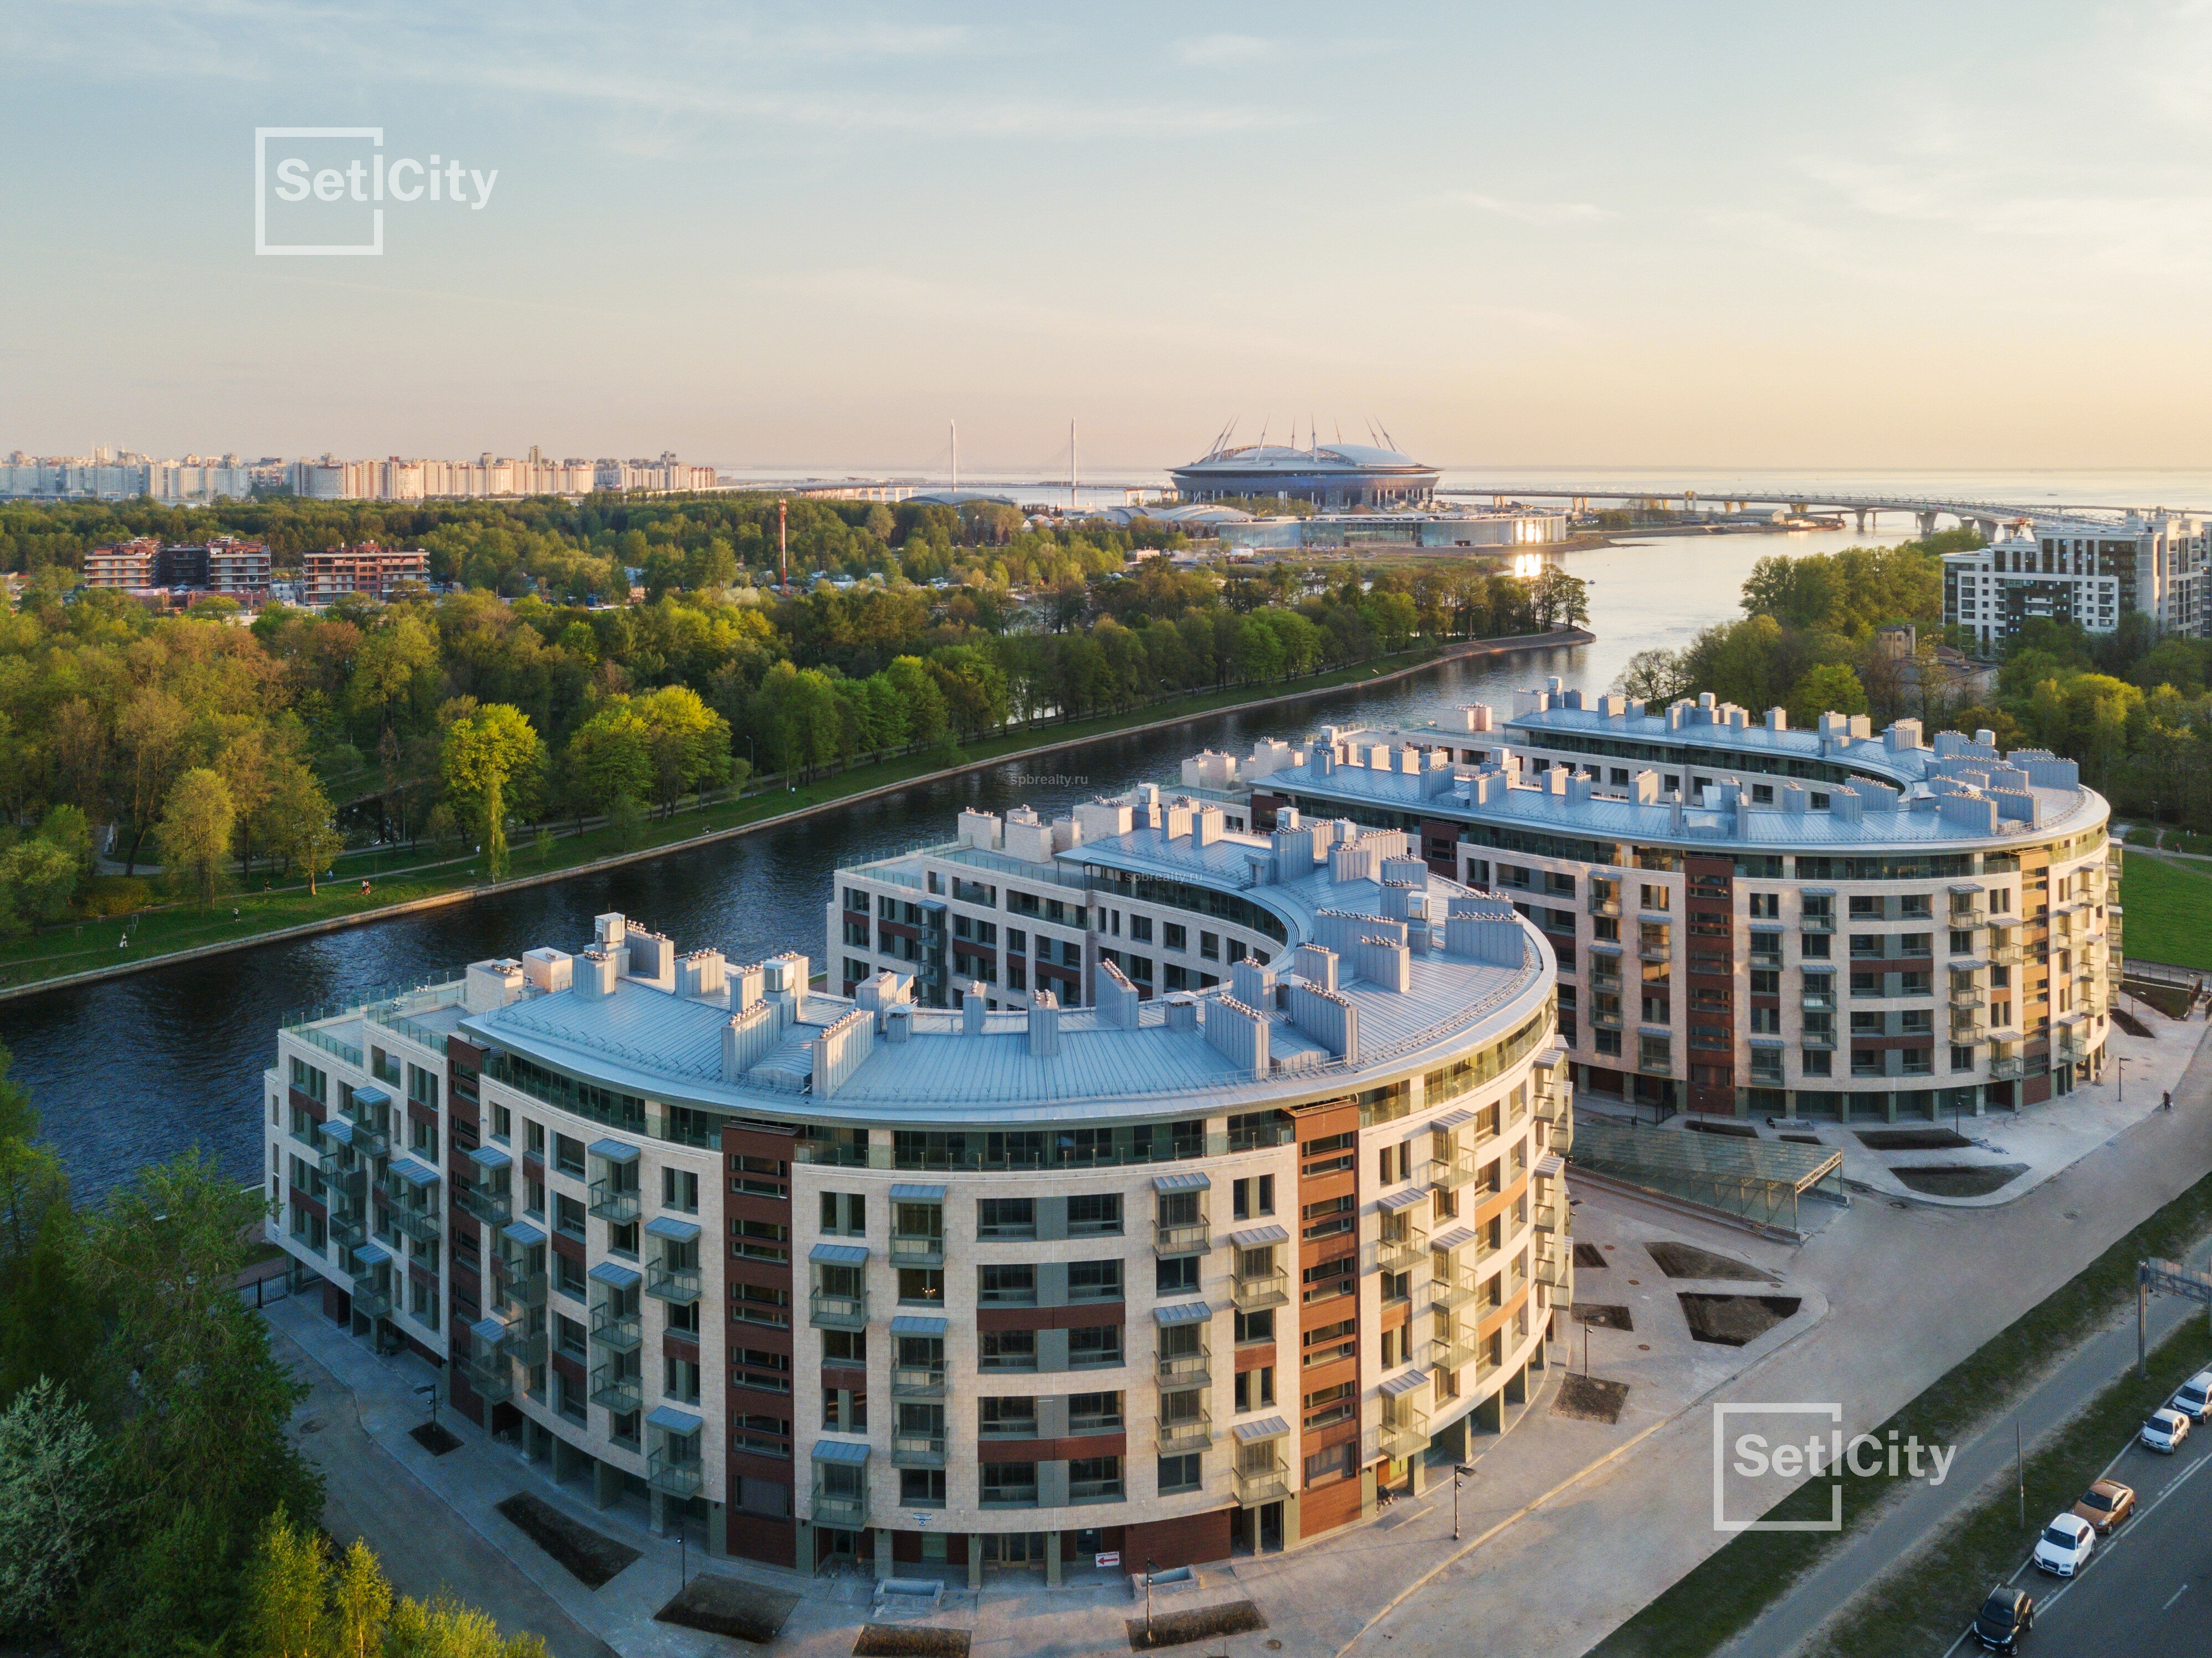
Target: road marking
2176, 1595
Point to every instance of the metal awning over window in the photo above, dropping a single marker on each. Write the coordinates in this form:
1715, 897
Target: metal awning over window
491, 1330
338, 1129
1267, 1427
524, 1233
839, 1254
917, 1195
1405, 1199
489, 1156
414, 1172
1452, 1119
1458, 1238
371, 1097
841, 1450
614, 1151
669, 1419
1551, 1165
617, 1275
678, 1231
1397, 1387
1181, 1312
1192, 1181
373, 1252
914, 1324
1259, 1237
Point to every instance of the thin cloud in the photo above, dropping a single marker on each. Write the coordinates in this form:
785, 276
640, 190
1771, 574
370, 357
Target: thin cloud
1545, 213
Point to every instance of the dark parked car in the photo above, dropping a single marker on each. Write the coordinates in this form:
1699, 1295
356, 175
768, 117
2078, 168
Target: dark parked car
2007, 1615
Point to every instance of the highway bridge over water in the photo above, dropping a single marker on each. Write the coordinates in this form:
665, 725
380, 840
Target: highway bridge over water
1992, 518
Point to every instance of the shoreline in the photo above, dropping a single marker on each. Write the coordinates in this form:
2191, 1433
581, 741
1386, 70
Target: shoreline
1558, 638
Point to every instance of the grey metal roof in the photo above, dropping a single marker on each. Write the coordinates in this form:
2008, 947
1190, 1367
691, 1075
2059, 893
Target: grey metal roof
1452, 1119
840, 1451
665, 1048
1181, 1312
493, 1330
1267, 1427
338, 1129
1405, 1198
489, 1155
614, 1273
374, 1250
524, 1233
1258, 1237
916, 1324
371, 1096
839, 1254
1189, 1179
1551, 1165
1400, 1385
1756, 828
414, 1171
668, 1226
669, 1419
615, 1151
1458, 1238
917, 1195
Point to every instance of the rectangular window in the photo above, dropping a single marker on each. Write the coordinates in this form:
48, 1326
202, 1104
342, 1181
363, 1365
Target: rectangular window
1094, 1347
1176, 1275
1094, 1215
1005, 1217
1007, 1350
1093, 1280
1182, 1473
679, 1189
1006, 1285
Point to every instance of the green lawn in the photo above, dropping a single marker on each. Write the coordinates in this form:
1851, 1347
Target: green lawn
2168, 913
397, 875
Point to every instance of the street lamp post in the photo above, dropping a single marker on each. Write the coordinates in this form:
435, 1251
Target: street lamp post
1459, 1473
2123, 1082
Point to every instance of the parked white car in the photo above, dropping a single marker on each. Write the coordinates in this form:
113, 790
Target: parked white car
2063, 1548
2165, 1430
2193, 1398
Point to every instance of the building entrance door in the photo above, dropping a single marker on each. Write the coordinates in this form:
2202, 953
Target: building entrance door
1016, 1548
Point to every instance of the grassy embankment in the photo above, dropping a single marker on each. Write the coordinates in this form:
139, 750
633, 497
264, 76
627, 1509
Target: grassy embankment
1733, 1585
399, 876
2168, 912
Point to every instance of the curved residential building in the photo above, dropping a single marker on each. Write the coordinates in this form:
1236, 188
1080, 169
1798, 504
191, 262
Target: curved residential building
1226, 1182
1753, 920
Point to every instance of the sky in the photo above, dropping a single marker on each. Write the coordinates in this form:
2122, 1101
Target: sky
807, 237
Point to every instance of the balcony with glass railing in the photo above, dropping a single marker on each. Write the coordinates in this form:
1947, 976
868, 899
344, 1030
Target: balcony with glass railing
1186, 1369
917, 1249
423, 1225
372, 1294
826, 1311
1552, 1268
917, 1450
675, 1475
1254, 1292
917, 1381
1182, 1237
1401, 1246
1263, 1479
519, 1291
490, 1206
1548, 1217
349, 1227
616, 1204
838, 1507
675, 1284
489, 1377
615, 1328
1455, 1353
1405, 1428
1188, 1430
619, 1391
1453, 1288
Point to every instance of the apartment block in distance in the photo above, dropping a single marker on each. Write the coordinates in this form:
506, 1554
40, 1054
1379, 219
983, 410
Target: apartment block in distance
367, 568
2093, 573
1752, 921
836, 1276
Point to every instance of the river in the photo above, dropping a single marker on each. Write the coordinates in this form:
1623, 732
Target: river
135, 1070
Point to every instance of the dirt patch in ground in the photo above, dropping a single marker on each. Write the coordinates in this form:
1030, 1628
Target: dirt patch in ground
1735, 1320
1180, 1629
1590, 1399
434, 1437
1912, 1140
1590, 1255
1687, 1261
591, 1557
1740, 1131
891, 1641
745, 1611
1602, 1316
1961, 1180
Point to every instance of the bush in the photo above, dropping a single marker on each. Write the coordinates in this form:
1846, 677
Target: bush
115, 895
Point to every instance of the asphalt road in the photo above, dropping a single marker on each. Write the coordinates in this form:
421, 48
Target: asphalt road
2147, 1588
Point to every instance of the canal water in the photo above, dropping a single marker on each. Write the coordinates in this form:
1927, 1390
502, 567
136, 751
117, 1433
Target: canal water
135, 1070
